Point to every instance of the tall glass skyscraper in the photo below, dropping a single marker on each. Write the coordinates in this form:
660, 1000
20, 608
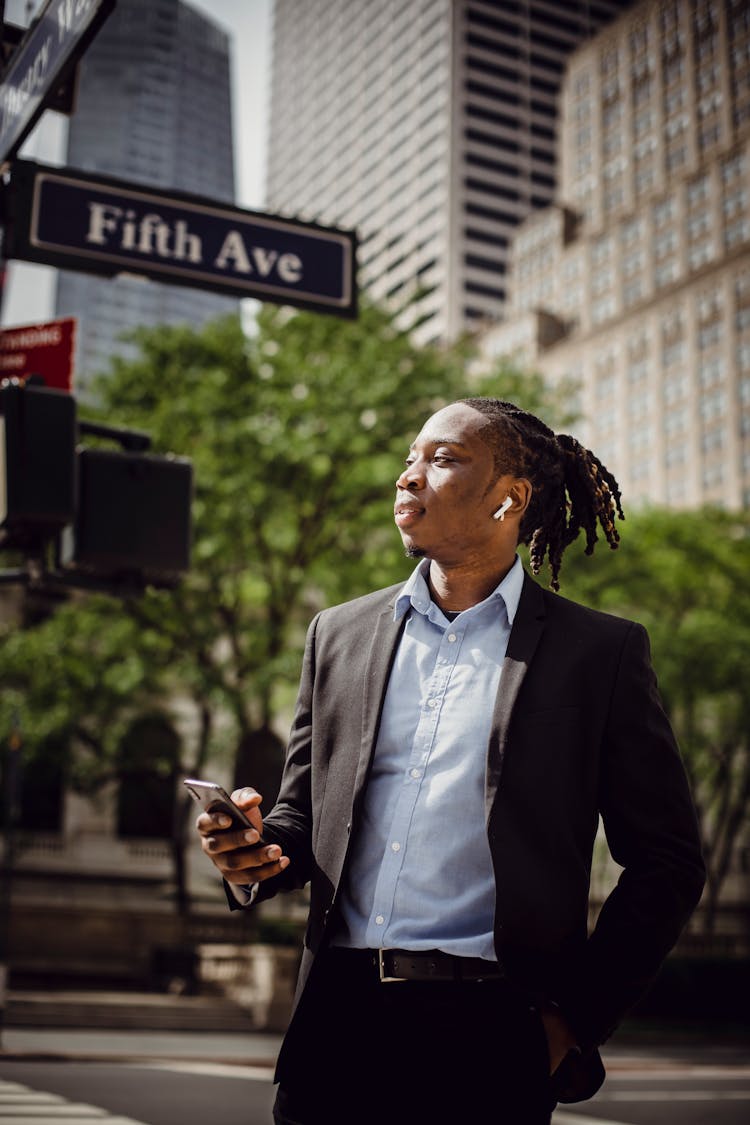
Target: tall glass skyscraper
153, 107
431, 126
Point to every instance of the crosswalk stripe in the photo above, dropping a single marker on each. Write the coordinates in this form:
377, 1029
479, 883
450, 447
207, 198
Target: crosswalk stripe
678, 1096
562, 1117
21, 1105
210, 1069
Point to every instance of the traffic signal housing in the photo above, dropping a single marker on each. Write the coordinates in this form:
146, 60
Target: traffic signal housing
37, 463
120, 519
132, 518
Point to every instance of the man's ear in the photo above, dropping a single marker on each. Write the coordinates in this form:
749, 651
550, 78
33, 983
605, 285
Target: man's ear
520, 493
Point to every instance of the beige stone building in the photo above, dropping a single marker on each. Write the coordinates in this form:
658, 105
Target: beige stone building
637, 281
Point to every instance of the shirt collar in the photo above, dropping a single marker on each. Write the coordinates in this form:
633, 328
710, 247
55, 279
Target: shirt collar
415, 592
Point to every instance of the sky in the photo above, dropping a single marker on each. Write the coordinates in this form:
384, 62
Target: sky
29, 291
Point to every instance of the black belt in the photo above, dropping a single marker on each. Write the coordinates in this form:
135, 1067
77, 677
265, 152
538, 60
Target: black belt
403, 964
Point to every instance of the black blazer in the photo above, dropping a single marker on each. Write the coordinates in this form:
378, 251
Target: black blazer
578, 730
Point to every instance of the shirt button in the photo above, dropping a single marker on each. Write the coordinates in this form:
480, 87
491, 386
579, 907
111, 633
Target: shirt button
451, 638
379, 919
414, 773
432, 702
395, 846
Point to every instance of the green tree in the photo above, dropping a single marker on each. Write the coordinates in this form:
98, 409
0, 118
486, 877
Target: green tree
297, 436
684, 576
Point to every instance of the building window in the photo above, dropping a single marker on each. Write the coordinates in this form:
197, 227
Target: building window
42, 787
708, 335
149, 755
602, 280
708, 304
614, 198
632, 292
582, 84
701, 253
673, 353
676, 491
664, 210
665, 272
698, 190
675, 455
712, 440
640, 439
491, 291
674, 69
638, 371
603, 309
699, 224
633, 262
713, 405
711, 372
601, 250
734, 168
735, 203
675, 388
675, 421
639, 406
674, 100
713, 475
676, 157
642, 92
709, 136
665, 243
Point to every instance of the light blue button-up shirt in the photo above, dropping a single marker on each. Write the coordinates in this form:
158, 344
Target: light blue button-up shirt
420, 875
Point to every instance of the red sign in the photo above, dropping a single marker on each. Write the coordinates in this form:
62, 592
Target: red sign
39, 349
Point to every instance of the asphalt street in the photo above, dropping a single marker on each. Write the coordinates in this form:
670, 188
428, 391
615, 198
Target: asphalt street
117, 1079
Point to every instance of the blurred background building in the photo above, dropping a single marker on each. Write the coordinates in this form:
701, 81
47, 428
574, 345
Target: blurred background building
153, 107
638, 283
431, 127
570, 180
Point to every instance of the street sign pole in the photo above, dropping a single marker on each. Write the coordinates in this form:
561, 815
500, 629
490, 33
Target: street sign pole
11, 775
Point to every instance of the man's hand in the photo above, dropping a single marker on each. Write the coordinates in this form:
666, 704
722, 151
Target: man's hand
560, 1038
238, 853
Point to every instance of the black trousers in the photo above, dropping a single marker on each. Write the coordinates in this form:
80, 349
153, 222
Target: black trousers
412, 1052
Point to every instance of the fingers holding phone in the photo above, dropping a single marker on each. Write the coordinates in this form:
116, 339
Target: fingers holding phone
231, 831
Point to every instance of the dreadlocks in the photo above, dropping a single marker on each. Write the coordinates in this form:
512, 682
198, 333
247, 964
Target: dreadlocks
572, 489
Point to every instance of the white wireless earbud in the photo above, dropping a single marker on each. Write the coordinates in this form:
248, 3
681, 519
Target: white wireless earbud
500, 513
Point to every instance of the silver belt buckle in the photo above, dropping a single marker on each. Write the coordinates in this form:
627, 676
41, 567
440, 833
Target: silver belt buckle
381, 969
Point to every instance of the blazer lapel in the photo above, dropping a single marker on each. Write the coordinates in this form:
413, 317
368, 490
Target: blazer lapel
528, 626
378, 668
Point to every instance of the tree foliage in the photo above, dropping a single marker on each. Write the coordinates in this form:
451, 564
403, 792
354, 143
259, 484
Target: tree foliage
297, 436
684, 576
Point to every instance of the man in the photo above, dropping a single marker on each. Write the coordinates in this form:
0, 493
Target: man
455, 740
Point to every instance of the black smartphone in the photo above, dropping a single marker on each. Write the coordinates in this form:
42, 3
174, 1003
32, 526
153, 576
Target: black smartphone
212, 798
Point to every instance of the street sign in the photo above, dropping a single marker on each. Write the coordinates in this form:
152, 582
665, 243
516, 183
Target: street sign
74, 220
63, 95
40, 349
50, 47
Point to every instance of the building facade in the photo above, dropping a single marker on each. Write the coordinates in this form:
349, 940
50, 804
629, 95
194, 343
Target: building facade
153, 107
637, 283
430, 127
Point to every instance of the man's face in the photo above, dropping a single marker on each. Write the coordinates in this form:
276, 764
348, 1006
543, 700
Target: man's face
449, 489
